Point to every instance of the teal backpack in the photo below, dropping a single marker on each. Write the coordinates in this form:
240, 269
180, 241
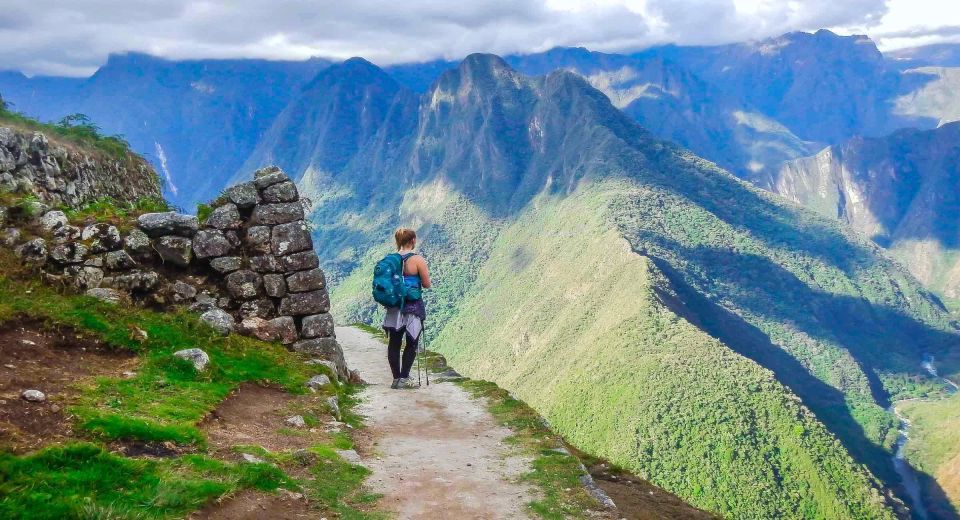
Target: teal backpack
389, 288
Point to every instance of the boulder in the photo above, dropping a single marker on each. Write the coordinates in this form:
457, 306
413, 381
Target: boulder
66, 233
52, 220
244, 284
224, 217
257, 328
134, 281
233, 237
119, 260
182, 291
317, 326
303, 281
10, 236
273, 214
174, 249
220, 320
105, 294
266, 264
317, 382
226, 264
137, 242
94, 261
211, 243
84, 277
350, 456
285, 191
275, 285
260, 308
168, 223
257, 240
199, 358
334, 404
325, 362
204, 302
33, 251
285, 328
244, 195
104, 236
291, 238
300, 261
251, 459
268, 176
296, 421
302, 304
69, 253
34, 396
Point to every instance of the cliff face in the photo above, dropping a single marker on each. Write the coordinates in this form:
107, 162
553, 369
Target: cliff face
900, 190
62, 173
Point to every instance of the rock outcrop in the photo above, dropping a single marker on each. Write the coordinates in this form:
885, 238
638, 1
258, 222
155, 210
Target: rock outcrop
248, 267
63, 174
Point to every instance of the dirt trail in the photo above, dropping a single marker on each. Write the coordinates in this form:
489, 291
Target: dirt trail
435, 453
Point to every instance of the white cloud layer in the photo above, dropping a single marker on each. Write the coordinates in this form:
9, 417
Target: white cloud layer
74, 38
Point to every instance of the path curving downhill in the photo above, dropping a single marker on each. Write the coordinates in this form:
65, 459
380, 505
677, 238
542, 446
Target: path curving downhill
435, 452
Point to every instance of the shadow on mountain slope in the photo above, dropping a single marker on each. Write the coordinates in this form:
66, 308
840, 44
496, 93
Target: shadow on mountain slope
828, 403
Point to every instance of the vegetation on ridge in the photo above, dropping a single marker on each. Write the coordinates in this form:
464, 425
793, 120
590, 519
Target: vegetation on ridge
76, 128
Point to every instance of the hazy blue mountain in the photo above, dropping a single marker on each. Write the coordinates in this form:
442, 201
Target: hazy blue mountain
940, 55
197, 121
702, 310
665, 97
823, 87
330, 120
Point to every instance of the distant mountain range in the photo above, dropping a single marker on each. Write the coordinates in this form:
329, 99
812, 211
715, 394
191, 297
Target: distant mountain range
606, 277
732, 347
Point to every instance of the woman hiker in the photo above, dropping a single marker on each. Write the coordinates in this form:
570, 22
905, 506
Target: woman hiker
408, 321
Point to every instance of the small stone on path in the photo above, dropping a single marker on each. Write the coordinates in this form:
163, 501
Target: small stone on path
317, 382
251, 459
34, 396
199, 358
296, 421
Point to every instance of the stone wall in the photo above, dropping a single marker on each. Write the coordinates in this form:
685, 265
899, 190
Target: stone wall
58, 173
248, 268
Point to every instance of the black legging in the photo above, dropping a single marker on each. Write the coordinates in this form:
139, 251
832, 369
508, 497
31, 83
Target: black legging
393, 353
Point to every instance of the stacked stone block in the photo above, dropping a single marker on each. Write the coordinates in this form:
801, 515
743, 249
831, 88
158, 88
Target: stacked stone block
249, 267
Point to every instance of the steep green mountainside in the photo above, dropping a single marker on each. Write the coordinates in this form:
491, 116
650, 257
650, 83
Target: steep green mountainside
556, 227
901, 190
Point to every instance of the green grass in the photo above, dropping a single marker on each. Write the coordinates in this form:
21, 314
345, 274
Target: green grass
166, 397
83, 480
337, 485
556, 474
108, 210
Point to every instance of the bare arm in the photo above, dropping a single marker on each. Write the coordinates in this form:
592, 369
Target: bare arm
423, 271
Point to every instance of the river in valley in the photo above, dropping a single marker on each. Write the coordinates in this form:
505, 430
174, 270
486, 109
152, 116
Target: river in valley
908, 476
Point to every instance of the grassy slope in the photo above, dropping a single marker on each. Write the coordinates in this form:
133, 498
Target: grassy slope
163, 402
574, 327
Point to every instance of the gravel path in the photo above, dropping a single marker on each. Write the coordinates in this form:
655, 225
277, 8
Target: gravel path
435, 452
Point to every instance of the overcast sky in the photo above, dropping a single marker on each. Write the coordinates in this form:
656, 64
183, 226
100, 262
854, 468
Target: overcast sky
74, 37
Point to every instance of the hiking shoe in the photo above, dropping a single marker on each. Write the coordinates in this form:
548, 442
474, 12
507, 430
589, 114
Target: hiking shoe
395, 384
406, 383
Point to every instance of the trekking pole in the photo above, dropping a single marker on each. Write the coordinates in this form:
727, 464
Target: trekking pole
426, 368
419, 381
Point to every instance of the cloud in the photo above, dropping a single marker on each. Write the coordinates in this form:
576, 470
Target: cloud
74, 38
